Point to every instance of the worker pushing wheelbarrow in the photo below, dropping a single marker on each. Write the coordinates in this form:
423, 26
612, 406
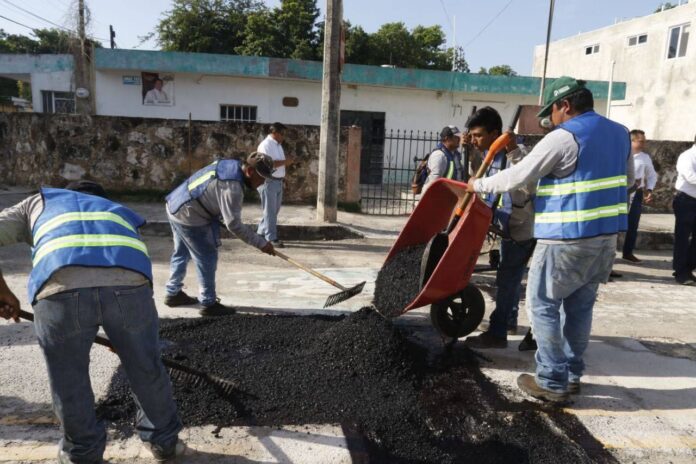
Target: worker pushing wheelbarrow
446, 231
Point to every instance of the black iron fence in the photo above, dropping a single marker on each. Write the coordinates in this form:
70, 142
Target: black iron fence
402, 151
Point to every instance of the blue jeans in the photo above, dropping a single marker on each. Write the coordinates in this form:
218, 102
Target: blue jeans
508, 281
684, 258
271, 193
66, 324
633, 221
201, 244
565, 276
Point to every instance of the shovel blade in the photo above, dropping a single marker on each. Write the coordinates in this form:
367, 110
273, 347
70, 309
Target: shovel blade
344, 295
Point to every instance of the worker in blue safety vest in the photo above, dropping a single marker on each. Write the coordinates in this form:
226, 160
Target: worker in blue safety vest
584, 167
91, 269
195, 209
514, 218
445, 160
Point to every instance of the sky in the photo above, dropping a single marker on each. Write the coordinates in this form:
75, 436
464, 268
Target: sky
493, 32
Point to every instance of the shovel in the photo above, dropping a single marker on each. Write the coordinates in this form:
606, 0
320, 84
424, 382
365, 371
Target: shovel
437, 245
336, 298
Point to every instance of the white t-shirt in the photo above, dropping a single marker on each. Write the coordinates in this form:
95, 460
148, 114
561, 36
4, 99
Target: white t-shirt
686, 172
270, 147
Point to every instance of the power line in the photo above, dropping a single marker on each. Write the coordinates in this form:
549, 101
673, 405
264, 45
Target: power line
16, 22
489, 23
37, 16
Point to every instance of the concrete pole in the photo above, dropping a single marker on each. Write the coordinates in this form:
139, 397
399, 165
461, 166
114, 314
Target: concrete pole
611, 85
546, 52
327, 190
454, 43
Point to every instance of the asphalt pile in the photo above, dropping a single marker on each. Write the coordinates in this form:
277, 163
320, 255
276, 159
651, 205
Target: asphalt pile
358, 371
398, 282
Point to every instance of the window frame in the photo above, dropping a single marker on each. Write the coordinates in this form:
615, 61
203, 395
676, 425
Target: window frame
680, 37
49, 99
238, 113
593, 48
637, 37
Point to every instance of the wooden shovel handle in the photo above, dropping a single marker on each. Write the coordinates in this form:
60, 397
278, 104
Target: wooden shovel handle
310, 270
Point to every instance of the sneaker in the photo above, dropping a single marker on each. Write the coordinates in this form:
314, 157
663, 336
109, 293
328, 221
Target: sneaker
686, 280
180, 299
632, 258
527, 384
277, 244
574, 387
486, 340
217, 309
162, 455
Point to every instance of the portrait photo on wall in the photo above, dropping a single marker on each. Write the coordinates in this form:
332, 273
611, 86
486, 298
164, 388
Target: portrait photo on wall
158, 89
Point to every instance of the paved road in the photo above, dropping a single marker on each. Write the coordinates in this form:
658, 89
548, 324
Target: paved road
639, 399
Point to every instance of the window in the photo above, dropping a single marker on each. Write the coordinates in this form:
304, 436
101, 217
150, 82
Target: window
678, 40
637, 40
592, 49
240, 113
58, 102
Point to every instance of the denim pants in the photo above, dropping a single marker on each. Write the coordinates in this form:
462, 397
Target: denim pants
561, 290
684, 259
271, 193
508, 281
200, 243
66, 324
633, 221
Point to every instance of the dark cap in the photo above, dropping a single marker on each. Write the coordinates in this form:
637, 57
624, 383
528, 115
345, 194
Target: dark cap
450, 131
263, 164
88, 187
557, 90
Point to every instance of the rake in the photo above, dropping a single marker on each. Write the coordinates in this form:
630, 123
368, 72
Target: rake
336, 298
177, 371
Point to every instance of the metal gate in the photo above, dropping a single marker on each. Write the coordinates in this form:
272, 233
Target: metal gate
402, 151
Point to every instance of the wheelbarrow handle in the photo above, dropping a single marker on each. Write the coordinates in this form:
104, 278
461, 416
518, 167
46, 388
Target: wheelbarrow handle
499, 143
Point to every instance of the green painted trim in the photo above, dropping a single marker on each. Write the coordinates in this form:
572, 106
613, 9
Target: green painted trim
27, 64
278, 68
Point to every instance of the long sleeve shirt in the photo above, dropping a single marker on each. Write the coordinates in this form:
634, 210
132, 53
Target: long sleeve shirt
220, 199
686, 172
16, 224
646, 176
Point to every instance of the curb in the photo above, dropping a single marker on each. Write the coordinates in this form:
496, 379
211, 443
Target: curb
650, 240
285, 231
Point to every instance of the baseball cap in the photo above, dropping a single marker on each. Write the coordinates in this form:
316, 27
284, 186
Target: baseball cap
558, 89
450, 131
263, 164
88, 187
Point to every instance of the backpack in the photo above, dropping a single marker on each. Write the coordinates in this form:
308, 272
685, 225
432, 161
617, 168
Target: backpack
420, 176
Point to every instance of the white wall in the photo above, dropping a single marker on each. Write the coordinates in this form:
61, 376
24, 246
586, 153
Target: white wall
660, 93
54, 81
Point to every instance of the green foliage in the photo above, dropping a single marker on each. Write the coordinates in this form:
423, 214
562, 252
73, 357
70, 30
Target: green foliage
664, 6
46, 41
500, 70
8, 88
24, 90
482, 70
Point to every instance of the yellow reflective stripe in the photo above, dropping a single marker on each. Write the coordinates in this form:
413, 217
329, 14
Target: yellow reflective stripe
80, 216
84, 240
581, 187
581, 215
450, 171
203, 178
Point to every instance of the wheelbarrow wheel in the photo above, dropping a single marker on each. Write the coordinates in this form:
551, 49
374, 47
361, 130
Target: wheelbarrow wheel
460, 314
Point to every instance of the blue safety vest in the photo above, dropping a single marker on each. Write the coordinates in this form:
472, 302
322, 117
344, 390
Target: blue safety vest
196, 185
503, 208
592, 200
451, 172
76, 229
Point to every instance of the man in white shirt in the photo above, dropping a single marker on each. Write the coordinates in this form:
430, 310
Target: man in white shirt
156, 96
684, 205
646, 178
271, 191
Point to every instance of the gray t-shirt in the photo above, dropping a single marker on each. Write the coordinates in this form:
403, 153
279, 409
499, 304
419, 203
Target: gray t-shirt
555, 154
222, 198
16, 224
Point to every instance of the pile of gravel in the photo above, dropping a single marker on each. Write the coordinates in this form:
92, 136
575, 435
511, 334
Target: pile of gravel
358, 371
398, 282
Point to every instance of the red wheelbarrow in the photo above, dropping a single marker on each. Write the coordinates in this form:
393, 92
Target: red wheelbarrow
457, 307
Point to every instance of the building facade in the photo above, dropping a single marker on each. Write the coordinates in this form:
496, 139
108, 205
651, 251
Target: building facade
652, 55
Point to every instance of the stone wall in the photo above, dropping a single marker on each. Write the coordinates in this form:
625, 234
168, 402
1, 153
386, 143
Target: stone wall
664, 155
131, 154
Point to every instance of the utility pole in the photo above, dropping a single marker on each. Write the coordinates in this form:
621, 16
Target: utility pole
81, 25
454, 43
546, 52
327, 191
112, 36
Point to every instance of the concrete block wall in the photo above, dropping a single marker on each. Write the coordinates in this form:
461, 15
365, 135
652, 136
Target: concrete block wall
134, 154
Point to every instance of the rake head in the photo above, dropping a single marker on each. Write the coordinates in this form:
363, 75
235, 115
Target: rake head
344, 295
226, 387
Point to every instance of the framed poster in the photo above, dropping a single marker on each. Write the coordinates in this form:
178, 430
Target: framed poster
157, 89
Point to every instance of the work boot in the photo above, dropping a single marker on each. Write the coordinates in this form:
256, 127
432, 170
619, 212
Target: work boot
180, 299
165, 455
528, 343
614, 275
528, 384
574, 387
217, 309
632, 258
277, 244
486, 340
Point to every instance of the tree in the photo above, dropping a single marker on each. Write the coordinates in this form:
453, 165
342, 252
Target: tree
46, 41
501, 70
664, 6
207, 26
482, 70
